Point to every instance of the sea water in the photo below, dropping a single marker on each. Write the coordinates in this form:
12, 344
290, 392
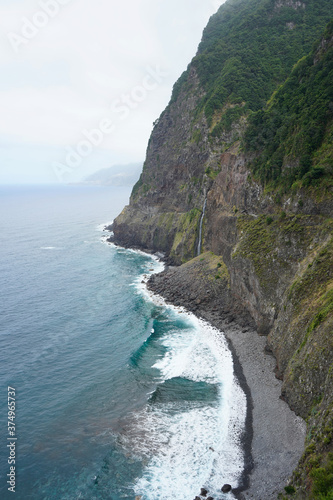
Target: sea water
117, 393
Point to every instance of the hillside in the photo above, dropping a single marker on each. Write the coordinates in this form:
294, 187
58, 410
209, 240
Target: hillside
117, 175
239, 167
294, 133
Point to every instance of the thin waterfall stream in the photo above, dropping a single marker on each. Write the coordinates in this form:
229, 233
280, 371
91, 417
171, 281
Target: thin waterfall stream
200, 226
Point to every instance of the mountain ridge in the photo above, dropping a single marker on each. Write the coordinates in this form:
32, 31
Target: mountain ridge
117, 175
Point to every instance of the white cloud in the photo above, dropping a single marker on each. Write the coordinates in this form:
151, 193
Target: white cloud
65, 77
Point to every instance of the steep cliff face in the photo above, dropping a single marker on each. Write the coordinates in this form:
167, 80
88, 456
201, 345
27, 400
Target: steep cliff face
164, 210
263, 173
247, 50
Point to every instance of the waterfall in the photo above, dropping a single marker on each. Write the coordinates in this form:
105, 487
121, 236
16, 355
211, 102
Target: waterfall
200, 226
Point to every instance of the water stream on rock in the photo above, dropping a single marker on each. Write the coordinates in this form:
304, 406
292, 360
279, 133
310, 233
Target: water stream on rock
201, 223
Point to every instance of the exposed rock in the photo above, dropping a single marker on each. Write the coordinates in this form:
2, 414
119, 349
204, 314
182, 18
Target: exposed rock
294, 4
226, 488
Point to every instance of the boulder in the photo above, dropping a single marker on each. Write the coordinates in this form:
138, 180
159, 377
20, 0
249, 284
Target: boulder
226, 488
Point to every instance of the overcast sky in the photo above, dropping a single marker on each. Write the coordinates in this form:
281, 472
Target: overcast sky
83, 80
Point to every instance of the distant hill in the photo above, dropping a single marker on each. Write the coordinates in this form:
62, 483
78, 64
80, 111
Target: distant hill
117, 175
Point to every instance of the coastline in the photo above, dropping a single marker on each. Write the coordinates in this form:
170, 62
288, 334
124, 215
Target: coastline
278, 435
274, 436
245, 432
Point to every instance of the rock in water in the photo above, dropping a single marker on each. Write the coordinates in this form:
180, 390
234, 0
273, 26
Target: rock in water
226, 488
203, 492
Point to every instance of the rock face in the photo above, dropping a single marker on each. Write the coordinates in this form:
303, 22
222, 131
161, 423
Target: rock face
268, 253
164, 211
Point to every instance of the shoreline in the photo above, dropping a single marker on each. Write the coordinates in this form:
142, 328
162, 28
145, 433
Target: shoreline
277, 435
247, 437
274, 436
247, 432
273, 440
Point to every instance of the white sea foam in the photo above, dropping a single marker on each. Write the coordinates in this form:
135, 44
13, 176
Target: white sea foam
104, 239
101, 227
184, 450
200, 447
153, 267
203, 446
190, 455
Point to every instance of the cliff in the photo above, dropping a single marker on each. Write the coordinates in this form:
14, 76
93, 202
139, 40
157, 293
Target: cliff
239, 166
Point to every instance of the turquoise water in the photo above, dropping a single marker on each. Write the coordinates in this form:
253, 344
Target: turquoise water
117, 394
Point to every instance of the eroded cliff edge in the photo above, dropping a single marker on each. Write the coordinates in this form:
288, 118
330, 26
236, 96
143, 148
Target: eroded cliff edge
263, 174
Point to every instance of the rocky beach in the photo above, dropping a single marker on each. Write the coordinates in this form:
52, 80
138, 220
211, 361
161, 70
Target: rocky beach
274, 435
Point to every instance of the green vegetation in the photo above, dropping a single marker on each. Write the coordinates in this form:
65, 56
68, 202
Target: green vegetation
212, 267
197, 136
293, 136
249, 47
312, 297
228, 117
265, 241
315, 279
178, 86
211, 173
323, 480
325, 309
222, 270
136, 188
310, 302
290, 490
257, 244
254, 52
320, 470
186, 234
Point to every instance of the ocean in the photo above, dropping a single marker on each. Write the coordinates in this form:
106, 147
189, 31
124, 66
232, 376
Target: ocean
117, 394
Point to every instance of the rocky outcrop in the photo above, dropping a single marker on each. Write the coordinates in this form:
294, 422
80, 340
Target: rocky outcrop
166, 203
294, 4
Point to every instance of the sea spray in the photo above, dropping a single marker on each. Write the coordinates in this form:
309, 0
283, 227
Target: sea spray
189, 434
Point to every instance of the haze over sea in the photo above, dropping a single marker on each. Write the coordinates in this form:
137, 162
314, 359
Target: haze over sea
117, 394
